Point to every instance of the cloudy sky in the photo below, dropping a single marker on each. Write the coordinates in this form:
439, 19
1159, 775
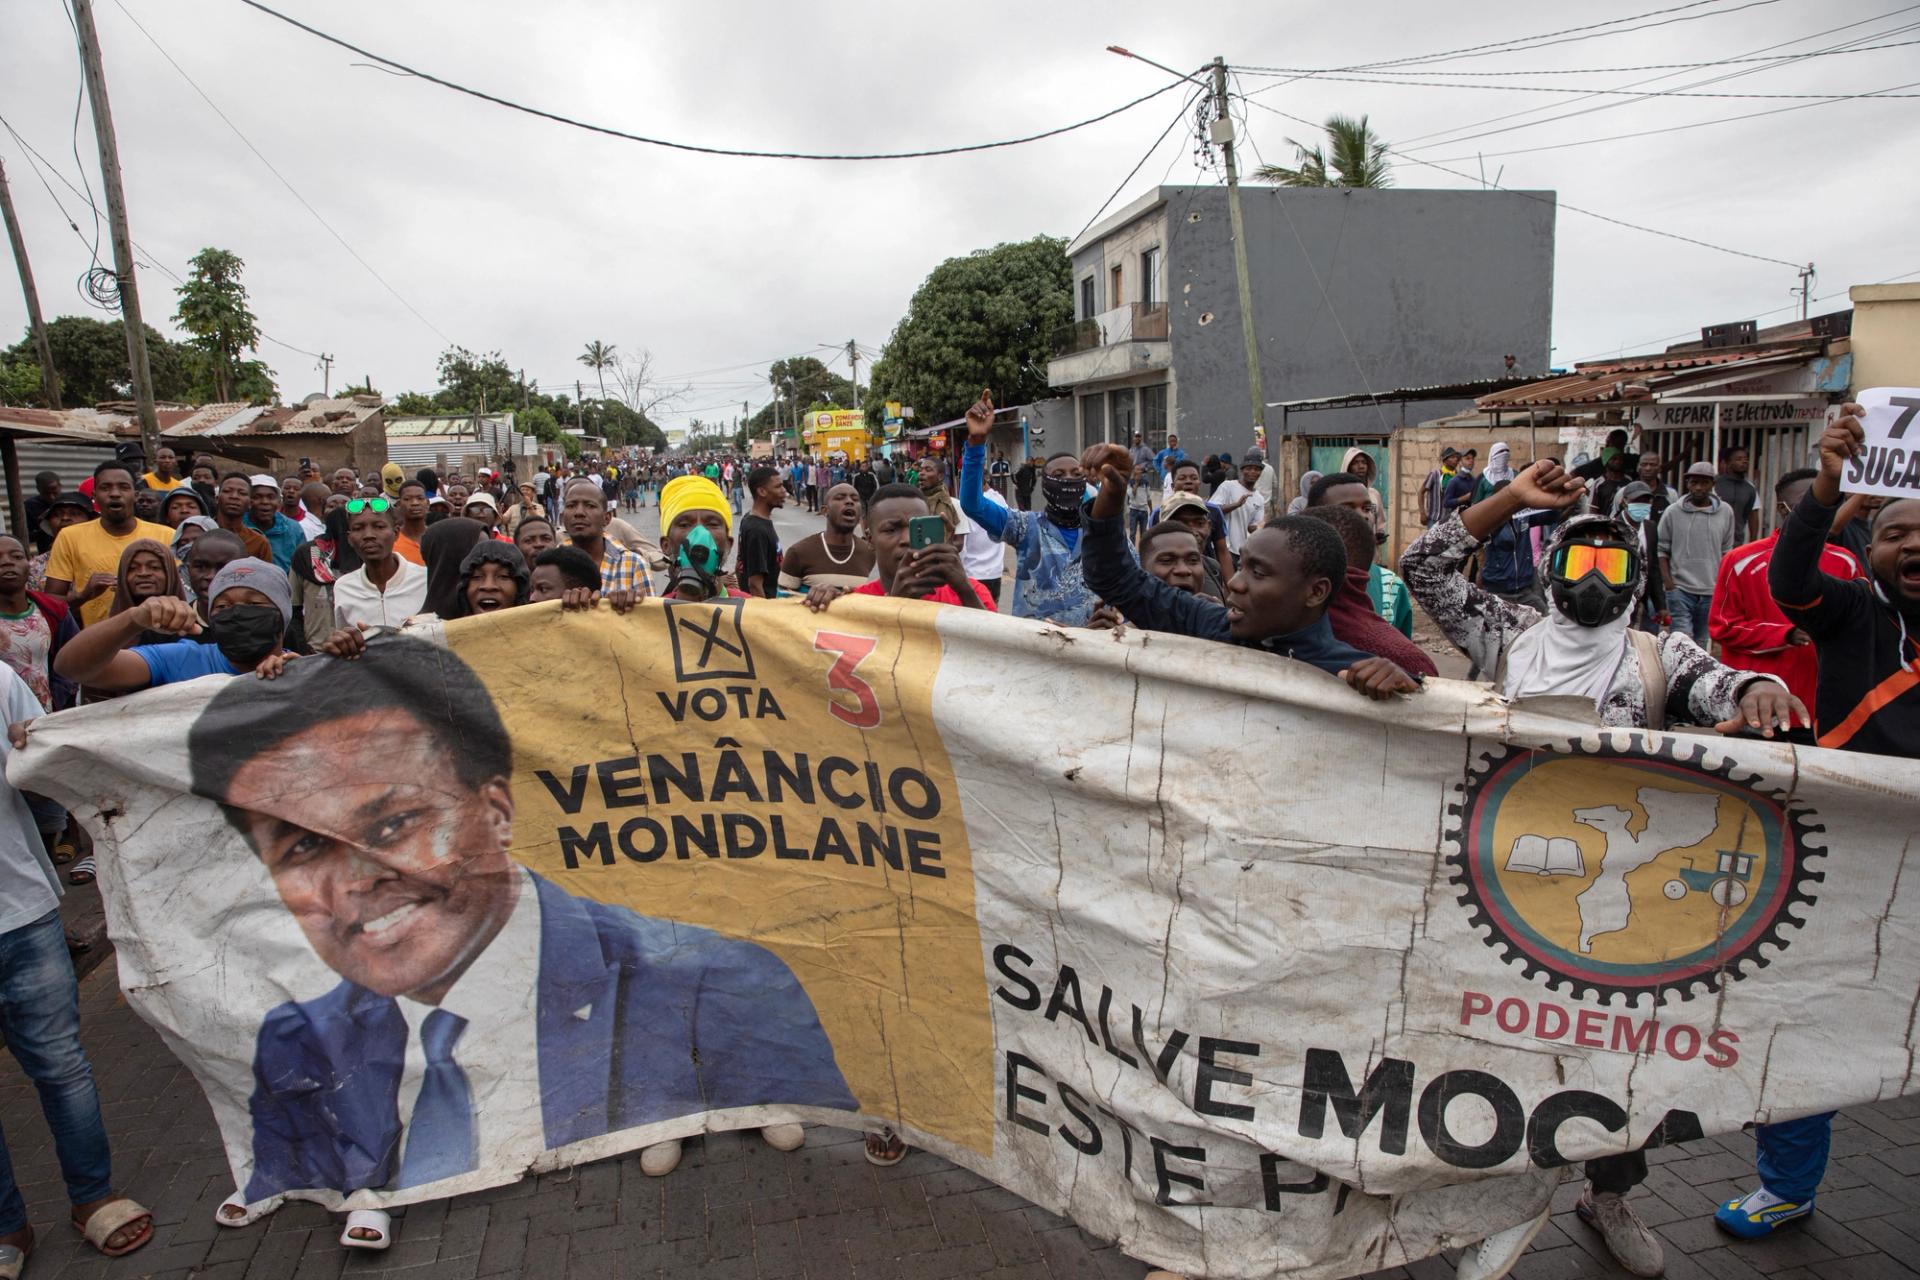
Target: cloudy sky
511, 233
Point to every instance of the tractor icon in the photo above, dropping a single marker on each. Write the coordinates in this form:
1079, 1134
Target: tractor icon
1726, 884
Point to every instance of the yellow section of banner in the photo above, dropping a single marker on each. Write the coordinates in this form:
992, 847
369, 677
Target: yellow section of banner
774, 775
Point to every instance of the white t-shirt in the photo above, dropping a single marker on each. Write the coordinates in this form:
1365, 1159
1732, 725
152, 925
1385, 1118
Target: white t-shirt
983, 556
1243, 519
28, 889
357, 600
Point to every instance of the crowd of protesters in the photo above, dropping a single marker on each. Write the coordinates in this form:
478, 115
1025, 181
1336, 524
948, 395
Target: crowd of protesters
1601, 583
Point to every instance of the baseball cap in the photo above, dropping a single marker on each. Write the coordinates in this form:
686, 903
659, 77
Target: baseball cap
263, 479
1178, 501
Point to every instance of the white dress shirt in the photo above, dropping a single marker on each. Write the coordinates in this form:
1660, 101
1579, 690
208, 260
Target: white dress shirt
982, 555
355, 599
499, 1049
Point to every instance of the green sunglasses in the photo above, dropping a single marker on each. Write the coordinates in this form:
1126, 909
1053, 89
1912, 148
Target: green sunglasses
376, 505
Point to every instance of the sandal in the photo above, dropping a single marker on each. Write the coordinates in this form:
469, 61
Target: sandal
13, 1259
110, 1218
249, 1213
64, 851
77, 944
378, 1221
82, 872
885, 1148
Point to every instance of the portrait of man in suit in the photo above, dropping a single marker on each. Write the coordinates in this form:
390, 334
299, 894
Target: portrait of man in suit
478, 1003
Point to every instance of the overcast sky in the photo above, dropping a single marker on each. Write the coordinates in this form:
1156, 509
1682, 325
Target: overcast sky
511, 233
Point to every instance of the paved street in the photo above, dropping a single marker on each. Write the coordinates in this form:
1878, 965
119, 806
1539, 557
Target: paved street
736, 1210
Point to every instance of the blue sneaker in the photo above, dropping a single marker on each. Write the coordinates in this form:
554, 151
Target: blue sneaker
1759, 1214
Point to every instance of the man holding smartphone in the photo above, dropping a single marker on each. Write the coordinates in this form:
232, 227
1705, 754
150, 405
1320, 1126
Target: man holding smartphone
911, 552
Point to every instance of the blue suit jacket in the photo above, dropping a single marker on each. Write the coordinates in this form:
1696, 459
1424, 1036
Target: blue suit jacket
679, 1020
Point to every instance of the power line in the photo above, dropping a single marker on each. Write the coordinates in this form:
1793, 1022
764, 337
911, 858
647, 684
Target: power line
1575, 35
1648, 133
697, 147
1620, 222
261, 156
1311, 72
1787, 59
1613, 93
1761, 315
1104, 204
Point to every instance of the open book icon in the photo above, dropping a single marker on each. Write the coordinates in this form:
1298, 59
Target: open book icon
1542, 856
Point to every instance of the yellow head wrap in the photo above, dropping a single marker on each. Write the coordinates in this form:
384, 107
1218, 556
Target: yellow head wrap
692, 493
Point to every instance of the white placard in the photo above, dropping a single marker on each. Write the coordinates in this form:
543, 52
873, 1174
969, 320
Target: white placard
1890, 463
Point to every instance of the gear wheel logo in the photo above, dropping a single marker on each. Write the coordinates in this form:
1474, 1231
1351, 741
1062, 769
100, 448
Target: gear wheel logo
1630, 871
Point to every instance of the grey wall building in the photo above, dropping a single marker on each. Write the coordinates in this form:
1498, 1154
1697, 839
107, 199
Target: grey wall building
1352, 290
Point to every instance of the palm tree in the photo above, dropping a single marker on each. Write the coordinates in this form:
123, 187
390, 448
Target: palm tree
1354, 157
599, 358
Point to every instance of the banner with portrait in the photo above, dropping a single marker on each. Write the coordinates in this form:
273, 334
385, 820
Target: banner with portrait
1187, 942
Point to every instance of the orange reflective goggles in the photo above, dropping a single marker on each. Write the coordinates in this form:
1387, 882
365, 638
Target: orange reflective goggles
1613, 561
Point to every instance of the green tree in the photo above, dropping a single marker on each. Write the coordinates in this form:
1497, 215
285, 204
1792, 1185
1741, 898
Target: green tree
20, 382
599, 357
472, 383
538, 423
985, 320
1354, 156
411, 404
213, 309
91, 358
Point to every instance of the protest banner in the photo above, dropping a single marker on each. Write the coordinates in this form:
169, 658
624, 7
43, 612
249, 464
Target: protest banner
1888, 463
1187, 942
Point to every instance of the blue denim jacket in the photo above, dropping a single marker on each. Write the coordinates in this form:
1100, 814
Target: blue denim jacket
1047, 580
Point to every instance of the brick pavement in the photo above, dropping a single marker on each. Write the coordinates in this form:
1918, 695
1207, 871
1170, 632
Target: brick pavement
736, 1210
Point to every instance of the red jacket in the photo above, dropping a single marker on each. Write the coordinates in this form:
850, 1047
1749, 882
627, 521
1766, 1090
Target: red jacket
1750, 627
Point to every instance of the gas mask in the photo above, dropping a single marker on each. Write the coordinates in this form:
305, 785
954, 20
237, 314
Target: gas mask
1593, 582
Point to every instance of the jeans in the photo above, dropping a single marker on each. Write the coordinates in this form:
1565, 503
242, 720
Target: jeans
1138, 519
1793, 1155
40, 1015
1690, 614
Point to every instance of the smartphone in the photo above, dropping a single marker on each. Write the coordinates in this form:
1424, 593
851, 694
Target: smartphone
925, 531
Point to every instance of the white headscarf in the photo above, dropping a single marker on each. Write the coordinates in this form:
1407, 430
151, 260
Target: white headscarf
1499, 469
1557, 655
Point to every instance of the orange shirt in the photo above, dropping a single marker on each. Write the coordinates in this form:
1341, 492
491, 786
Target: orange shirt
407, 549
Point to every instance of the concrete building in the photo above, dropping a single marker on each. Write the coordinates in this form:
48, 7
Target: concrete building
1351, 288
460, 441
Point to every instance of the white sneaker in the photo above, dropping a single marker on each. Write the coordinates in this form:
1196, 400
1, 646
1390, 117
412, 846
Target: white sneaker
1493, 1257
1627, 1238
784, 1137
660, 1159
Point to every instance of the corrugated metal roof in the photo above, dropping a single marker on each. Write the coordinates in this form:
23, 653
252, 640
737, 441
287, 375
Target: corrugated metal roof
77, 426
1612, 381
1439, 391
457, 424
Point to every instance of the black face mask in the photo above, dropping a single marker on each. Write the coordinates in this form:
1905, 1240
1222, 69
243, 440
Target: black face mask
1064, 495
246, 633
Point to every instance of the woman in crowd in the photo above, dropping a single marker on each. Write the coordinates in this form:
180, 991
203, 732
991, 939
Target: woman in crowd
444, 546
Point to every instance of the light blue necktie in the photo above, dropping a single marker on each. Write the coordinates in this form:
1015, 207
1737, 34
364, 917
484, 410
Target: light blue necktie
440, 1136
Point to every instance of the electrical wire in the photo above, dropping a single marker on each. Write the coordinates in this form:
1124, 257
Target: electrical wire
1577, 34
1571, 208
1311, 72
1648, 133
304, 202
1104, 204
1791, 306
1460, 134
698, 148
1613, 93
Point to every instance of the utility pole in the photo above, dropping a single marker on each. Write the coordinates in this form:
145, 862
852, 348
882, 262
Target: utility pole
579, 407
49, 380
853, 362
1221, 132
326, 376
123, 269
1805, 290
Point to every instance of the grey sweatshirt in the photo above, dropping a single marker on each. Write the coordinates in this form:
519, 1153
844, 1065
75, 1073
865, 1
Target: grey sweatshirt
1693, 539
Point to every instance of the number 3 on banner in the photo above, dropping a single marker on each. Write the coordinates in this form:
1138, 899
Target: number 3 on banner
850, 652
